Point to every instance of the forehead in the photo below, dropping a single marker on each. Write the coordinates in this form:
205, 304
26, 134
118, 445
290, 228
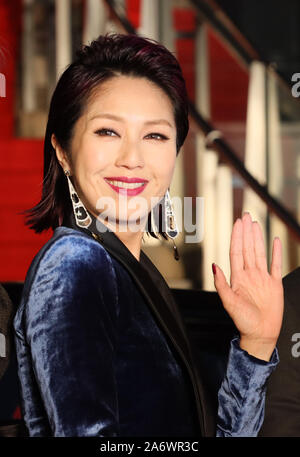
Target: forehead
129, 93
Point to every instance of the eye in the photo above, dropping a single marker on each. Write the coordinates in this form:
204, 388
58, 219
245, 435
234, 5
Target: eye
105, 132
158, 136
110, 132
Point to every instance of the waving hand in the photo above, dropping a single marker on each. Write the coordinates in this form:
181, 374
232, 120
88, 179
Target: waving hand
254, 298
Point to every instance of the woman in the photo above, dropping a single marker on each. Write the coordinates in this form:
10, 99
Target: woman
101, 347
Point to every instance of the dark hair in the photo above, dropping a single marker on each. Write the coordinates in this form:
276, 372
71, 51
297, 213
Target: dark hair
108, 56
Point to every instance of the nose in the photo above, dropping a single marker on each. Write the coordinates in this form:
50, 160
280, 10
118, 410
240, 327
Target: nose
130, 155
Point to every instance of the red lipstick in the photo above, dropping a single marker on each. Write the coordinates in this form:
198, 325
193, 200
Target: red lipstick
132, 186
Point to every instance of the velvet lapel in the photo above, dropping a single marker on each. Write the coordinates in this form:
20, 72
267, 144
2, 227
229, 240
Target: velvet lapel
161, 302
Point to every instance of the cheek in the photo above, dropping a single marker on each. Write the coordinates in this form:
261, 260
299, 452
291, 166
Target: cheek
90, 160
166, 167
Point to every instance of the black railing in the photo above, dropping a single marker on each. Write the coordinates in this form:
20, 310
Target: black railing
213, 14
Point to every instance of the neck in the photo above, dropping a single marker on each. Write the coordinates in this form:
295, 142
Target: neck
132, 239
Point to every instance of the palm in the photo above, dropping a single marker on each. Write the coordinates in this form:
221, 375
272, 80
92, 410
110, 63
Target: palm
254, 299
256, 306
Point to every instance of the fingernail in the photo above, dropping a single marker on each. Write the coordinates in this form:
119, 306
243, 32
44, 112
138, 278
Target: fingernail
214, 268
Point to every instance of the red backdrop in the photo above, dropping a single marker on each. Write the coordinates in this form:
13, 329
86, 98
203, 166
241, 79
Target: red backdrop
21, 160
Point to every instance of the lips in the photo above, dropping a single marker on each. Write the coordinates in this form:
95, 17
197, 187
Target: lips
126, 186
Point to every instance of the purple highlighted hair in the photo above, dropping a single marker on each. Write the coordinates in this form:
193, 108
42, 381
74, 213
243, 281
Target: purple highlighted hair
108, 56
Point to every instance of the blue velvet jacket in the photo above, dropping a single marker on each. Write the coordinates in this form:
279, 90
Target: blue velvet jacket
102, 350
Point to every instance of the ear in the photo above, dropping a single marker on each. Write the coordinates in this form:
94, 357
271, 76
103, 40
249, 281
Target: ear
60, 154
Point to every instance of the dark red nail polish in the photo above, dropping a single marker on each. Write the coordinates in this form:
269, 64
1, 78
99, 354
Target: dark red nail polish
214, 268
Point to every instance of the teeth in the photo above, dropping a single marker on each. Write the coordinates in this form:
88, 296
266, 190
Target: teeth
126, 185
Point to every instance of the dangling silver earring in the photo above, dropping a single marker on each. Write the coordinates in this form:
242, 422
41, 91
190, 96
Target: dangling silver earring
170, 224
170, 220
82, 217
155, 220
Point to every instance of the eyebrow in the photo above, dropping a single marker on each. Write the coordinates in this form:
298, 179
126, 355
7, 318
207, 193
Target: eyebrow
118, 118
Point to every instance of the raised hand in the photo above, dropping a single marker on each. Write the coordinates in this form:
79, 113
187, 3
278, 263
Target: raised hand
254, 298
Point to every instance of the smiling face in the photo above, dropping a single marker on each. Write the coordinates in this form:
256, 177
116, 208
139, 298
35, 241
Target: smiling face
123, 148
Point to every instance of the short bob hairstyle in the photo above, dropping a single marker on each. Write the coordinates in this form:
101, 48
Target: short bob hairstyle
106, 57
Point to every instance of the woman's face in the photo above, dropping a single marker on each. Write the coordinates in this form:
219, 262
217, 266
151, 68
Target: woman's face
123, 149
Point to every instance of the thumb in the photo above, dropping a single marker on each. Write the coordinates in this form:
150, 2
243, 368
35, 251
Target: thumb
224, 290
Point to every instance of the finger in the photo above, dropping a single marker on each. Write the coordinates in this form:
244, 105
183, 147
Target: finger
248, 242
259, 247
276, 265
224, 290
236, 248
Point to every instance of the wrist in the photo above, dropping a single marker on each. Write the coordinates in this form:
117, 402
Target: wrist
258, 347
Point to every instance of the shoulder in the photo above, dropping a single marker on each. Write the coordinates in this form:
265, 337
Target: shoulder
71, 267
69, 248
71, 245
